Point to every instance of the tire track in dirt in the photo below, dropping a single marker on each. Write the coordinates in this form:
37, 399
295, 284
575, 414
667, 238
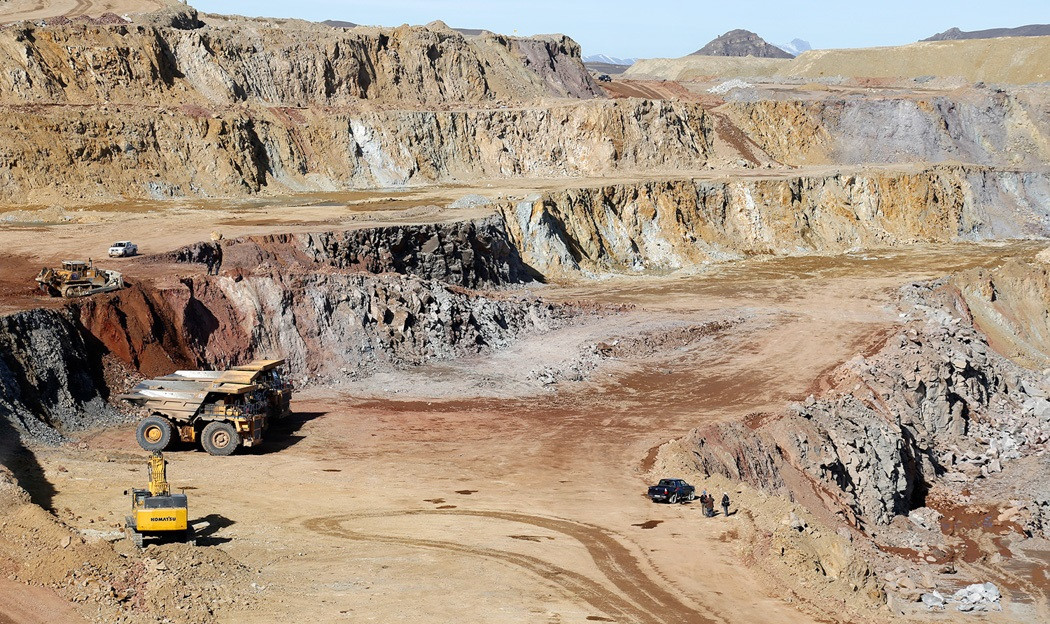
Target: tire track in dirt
81, 8
646, 601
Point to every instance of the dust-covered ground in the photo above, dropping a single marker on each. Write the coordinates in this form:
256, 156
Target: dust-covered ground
714, 258
510, 487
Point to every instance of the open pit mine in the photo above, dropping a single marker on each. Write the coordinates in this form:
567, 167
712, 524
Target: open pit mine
507, 298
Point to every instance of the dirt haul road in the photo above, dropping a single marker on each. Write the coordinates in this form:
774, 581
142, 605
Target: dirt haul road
401, 499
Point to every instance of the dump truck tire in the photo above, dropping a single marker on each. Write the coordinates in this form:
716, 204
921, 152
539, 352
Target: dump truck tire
154, 433
220, 438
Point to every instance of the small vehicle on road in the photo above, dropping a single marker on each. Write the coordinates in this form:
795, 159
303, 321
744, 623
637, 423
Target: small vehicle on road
123, 249
672, 491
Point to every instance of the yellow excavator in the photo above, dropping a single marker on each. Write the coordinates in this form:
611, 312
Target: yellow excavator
155, 511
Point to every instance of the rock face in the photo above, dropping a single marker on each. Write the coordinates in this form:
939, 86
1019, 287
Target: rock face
172, 106
295, 64
110, 152
333, 305
1008, 304
659, 226
473, 254
741, 42
49, 375
1005, 129
935, 403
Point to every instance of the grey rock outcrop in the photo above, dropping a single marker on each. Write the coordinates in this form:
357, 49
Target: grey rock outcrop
998, 129
334, 305
934, 403
473, 254
742, 42
50, 378
1031, 30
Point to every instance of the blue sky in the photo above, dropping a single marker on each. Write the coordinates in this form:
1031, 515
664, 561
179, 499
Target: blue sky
660, 28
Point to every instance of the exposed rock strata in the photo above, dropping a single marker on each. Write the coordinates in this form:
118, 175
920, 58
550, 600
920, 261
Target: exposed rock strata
343, 318
933, 404
656, 226
48, 376
1009, 305
473, 254
255, 61
102, 153
984, 127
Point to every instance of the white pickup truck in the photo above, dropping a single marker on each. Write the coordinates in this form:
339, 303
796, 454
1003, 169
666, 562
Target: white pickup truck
123, 249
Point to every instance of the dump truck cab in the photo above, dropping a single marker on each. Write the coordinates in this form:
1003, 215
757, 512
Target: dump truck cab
221, 410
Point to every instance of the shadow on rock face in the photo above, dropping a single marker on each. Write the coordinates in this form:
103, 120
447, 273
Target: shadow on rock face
24, 466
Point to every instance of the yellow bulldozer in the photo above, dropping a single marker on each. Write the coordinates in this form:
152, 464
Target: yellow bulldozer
155, 511
76, 278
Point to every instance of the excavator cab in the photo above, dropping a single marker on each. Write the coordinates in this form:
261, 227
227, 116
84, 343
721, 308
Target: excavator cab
155, 511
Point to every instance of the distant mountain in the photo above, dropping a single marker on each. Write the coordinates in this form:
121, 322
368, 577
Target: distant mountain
1031, 30
608, 60
795, 47
338, 24
607, 68
741, 43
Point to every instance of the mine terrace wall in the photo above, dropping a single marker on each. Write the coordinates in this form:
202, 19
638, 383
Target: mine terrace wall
660, 226
335, 305
296, 64
986, 127
934, 403
473, 254
110, 152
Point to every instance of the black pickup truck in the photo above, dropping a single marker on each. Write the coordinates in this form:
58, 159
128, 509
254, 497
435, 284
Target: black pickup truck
672, 491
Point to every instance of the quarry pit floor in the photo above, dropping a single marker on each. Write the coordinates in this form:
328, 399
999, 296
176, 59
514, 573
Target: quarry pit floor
470, 491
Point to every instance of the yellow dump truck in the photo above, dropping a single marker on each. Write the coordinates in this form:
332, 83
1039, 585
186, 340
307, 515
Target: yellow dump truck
219, 409
155, 511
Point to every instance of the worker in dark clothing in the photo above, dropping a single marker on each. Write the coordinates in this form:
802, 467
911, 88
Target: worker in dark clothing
725, 503
214, 259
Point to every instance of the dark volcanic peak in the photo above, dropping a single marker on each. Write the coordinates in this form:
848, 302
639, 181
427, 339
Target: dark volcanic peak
741, 42
1031, 30
338, 24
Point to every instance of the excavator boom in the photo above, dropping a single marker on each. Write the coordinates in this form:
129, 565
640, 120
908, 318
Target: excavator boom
158, 475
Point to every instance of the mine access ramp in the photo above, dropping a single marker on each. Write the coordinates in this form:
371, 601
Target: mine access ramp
220, 409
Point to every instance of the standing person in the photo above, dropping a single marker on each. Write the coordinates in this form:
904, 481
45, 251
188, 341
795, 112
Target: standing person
214, 255
216, 259
703, 502
725, 503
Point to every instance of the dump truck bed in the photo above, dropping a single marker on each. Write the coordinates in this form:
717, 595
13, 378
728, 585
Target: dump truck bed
185, 390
